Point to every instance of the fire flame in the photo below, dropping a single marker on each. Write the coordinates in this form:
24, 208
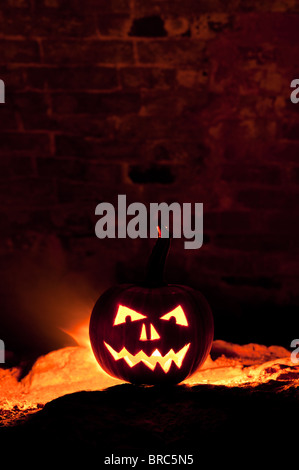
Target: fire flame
72, 369
80, 333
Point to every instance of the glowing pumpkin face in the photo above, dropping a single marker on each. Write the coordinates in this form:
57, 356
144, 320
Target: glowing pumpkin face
151, 333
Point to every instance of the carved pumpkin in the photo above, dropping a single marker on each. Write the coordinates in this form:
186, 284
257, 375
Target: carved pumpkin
153, 332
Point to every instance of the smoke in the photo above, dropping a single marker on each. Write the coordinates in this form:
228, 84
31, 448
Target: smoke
41, 295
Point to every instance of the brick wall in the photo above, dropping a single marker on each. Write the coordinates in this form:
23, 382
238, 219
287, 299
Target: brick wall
182, 101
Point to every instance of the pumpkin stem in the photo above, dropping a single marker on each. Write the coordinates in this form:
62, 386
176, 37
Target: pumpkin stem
156, 263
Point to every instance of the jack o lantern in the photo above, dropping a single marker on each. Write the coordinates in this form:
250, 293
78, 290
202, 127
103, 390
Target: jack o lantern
152, 332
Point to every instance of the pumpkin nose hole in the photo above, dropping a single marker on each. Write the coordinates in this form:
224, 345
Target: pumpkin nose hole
153, 333
143, 336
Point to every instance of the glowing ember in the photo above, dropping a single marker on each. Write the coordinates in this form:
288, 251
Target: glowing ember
73, 369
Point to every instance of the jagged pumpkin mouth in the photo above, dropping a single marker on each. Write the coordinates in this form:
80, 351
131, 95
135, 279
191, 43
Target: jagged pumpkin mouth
152, 360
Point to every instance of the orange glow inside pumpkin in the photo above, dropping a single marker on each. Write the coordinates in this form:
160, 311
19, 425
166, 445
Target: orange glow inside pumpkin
123, 312
156, 357
152, 360
72, 369
153, 334
178, 314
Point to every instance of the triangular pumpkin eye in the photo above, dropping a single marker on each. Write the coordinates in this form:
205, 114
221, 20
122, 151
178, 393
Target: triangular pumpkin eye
178, 314
124, 312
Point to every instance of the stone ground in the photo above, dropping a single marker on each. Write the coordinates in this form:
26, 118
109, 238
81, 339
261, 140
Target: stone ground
243, 402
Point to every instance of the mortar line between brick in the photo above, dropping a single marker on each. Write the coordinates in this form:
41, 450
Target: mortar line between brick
134, 42
161, 65
41, 49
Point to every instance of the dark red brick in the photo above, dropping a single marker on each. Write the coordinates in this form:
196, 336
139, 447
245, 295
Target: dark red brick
38, 121
184, 103
8, 120
176, 7
114, 5
17, 4
14, 78
261, 54
276, 26
5, 168
261, 282
156, 126
283, 151
97, 103
266, 5
228, 222
271, 242
286, 221
285, 57
147, 78
32, 108
24, 144
73, 78
24, 192
10, 167
33, 102
256, 198
83, 192
120, 151
48, 24
67, 220
93, 149
70, 168
134, 128
290, 131
21, 51
291, 198
183, 52
103, 173
79, 125
90, 6
291, 108
22, 166
236, 263
295, 175
71, 146
269, 199
48, 19
88, 52
268, 175
40, 220
114, 25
